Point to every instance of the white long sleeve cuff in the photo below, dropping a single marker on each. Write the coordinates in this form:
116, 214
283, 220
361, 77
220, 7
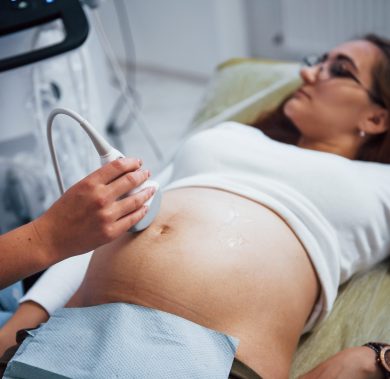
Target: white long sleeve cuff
57, 285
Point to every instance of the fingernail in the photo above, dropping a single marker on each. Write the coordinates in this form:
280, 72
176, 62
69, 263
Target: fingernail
146, 208
130, 160
152, 190
140, 162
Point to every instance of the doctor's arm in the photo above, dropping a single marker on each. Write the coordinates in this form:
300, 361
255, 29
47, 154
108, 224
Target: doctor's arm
89, 214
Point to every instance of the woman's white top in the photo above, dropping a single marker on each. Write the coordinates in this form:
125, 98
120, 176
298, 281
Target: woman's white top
338, 208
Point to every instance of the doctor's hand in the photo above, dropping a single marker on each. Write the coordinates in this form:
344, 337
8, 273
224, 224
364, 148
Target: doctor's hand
92, 212
89, 214
356, 362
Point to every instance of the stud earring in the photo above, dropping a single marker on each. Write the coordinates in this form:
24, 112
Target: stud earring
362, 133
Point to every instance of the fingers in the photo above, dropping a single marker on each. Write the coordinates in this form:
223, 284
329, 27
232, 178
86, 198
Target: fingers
126, 183
132, 203
114, 169
125, 223
126, 213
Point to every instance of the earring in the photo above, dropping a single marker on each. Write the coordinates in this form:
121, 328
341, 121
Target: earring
362, 133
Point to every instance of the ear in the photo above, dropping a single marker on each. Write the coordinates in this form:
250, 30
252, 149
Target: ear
376, 122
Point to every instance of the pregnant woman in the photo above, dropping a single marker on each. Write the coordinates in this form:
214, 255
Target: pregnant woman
254, 235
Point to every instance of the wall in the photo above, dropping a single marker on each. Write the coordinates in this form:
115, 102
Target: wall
189, 37
265, 31
290, 29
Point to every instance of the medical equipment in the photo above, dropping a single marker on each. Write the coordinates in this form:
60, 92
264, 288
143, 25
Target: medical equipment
127, 93
18, 15
65, 80
107, 154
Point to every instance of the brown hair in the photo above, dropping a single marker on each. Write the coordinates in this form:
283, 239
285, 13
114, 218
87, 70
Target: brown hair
377, 148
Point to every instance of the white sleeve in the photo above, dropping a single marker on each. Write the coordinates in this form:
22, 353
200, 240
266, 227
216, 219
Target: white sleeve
57, 285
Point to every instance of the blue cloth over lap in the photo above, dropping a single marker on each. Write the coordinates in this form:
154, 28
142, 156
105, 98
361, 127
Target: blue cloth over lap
122, 341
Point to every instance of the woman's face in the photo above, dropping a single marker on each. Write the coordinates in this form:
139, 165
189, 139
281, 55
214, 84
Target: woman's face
331, 103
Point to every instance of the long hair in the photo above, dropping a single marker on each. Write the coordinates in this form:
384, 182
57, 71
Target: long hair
377, 148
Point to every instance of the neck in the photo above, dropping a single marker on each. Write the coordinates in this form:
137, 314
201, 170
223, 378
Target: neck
347, 149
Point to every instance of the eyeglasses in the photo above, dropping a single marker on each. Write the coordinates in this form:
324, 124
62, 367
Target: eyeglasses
338, 68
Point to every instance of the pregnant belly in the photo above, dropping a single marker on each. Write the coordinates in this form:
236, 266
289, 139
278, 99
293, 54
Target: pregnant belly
217, 259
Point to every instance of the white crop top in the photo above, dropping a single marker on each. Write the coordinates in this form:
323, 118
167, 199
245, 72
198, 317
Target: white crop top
338, 208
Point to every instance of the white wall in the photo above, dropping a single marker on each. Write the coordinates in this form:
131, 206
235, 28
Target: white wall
265, 28
290, 29
185, 36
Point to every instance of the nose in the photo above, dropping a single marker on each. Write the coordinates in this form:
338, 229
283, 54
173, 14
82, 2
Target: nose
310, 74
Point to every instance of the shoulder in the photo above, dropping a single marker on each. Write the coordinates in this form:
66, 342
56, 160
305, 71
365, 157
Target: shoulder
236, 129
377, 174
236, 126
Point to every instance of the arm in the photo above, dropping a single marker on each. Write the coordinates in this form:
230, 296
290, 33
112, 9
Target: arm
356, 362
28, 315
88, 215
52, 291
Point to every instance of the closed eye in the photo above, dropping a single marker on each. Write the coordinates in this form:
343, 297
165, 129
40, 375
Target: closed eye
339, 69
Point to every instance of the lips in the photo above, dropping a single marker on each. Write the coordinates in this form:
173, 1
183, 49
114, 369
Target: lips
302, 93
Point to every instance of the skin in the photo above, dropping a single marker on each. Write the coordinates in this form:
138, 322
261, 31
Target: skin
67, 229
171, 267
330, 113
355, 362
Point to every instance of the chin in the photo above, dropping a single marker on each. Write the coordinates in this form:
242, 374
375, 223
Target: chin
291, 109
294, 112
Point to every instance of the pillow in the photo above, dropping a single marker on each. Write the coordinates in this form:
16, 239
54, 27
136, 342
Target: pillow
360, 315
242, 89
